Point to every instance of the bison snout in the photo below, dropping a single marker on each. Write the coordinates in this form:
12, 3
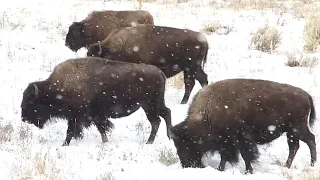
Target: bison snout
25, 120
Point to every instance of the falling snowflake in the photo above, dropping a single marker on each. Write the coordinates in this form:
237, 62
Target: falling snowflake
272, 128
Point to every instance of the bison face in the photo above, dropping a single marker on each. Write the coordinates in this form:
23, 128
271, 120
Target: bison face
33, 110
188, 150
75, 38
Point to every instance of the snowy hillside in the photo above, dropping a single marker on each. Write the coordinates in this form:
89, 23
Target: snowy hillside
32, 36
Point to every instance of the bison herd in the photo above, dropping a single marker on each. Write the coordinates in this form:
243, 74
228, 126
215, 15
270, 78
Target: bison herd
127, 64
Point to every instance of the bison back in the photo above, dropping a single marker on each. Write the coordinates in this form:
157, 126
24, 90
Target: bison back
86, 78
257, 103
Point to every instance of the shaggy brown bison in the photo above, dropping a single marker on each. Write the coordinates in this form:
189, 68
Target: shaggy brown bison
98, 25
88, 91
234, 115
172, 50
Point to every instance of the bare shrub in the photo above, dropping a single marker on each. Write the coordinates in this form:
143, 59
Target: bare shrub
6, 133
306, 60
312, 33
167, 157
266, 39
211, 27
292, 60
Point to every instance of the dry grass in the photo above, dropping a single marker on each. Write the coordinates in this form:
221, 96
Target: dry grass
312, 33
6, 133
177, 81
250, 4
168, 157
107, 176
311, 176
266, 39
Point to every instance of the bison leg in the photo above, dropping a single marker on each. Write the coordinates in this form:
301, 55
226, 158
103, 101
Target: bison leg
293, 142
152, 112
165, 113
248, 150
78, 131
309, 138
71, 131
102, 127
222, 164
202, 77
189, 82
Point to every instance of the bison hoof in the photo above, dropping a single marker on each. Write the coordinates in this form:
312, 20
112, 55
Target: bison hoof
219, 169
183, 102
312, 164
65, 144
149, 142
249, 171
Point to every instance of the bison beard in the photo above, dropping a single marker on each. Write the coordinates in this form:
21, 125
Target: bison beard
233, 116
88, 91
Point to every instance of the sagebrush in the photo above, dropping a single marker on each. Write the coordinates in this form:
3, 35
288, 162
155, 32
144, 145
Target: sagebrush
312, 32
266, 39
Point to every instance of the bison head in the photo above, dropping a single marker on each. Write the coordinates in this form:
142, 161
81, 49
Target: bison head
189, 150
34, 108
75, 38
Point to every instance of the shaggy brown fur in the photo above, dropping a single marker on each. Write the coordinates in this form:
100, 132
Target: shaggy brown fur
99, 24
88, 91
172, 50
235, 115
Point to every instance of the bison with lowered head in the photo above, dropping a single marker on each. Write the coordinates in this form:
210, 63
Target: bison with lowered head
234, 115
172, 50
98, 25
88, 91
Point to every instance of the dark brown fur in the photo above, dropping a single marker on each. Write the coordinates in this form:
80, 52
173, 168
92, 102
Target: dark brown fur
232, 116
172, 50
88, 91
99, 24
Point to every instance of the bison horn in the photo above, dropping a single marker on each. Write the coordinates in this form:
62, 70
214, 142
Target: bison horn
36, 90
100, 49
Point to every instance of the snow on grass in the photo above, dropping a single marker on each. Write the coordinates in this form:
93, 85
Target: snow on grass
32, 35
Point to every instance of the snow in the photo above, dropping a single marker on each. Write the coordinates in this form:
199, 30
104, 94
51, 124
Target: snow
32, 38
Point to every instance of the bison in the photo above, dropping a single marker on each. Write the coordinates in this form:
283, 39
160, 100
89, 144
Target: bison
88, 91
98, 25
236, 115
172, 50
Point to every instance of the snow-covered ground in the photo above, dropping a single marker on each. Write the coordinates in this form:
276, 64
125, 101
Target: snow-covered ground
32, 35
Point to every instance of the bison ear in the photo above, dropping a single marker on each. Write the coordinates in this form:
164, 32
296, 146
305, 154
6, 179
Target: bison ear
36, 90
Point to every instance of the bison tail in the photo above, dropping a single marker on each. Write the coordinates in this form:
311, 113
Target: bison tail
205, 56
312, 116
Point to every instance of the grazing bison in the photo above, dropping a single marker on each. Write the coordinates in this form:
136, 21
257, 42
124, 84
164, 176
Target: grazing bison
172, 50
98, 25
234, 115
88, 91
